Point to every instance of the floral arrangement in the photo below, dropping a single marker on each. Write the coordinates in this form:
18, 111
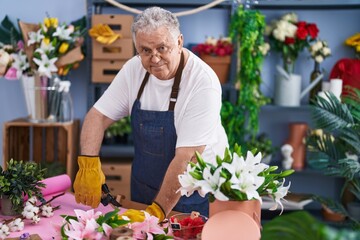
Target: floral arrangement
290, 36
95, 225
354, 41
46, 48
319, 51
215, 47
235, 178
32, 212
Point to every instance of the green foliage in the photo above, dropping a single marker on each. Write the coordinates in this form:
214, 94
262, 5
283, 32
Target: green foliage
20, 179
301, 225
8, 32
332, 147
119, 128
240, 119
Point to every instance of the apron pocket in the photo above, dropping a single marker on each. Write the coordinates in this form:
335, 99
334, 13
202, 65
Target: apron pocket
152, 140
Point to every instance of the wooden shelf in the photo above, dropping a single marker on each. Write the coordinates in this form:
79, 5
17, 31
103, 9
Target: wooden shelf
42, 142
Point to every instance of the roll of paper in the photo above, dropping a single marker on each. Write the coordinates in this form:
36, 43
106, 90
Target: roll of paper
55, 185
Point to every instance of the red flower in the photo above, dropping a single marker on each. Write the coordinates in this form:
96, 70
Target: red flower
301, 32
313, 30
289, 41
220, 47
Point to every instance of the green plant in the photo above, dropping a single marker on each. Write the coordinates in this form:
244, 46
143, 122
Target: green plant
335, 146
119, 128
300, 225
240, 119
21, 179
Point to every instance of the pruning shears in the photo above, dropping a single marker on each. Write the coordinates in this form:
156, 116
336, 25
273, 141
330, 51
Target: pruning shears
107, 197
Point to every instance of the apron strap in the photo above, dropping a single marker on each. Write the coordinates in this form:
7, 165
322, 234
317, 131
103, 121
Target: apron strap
175, 87
141, 89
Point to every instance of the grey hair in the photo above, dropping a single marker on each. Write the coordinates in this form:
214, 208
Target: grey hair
153, 18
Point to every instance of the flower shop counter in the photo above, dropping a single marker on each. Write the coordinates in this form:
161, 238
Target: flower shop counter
49, 228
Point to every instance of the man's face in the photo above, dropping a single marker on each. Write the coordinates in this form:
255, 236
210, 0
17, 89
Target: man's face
159, 53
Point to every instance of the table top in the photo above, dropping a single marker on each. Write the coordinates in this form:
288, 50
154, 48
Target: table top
49, 228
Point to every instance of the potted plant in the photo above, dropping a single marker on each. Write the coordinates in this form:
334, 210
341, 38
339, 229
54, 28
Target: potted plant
334, 147
235, 179
118, 131
18, 180
217, 54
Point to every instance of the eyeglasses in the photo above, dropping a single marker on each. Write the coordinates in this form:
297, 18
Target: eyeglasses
159, 52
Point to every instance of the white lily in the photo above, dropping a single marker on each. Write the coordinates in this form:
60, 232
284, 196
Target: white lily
248, 184
211, 184
64, 32
35, 37
45, 47
279, 195
46, 65
187, 182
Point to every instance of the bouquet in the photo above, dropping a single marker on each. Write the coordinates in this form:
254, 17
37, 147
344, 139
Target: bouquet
47, 48
319, 51
234, 178
290, 36
215, 47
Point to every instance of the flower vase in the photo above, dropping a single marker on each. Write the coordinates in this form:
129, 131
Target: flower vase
39, 96
297, 133
250, 207
228, 219
314, 74
7, 206
220, 65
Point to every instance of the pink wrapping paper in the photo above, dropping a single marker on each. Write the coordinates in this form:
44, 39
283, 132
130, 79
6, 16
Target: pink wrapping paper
55, 185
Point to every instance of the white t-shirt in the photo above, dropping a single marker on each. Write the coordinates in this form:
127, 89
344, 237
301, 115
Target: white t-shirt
197, 110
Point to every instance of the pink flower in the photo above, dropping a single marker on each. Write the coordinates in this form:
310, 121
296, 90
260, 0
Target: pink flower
80, 230
11, 74
83, 216
146, 229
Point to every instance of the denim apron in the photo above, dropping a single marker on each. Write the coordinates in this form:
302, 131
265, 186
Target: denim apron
154, 141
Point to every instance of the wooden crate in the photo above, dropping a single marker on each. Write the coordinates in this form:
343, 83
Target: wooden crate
118, 177
42, 142
104, 71
119, 23
121, 49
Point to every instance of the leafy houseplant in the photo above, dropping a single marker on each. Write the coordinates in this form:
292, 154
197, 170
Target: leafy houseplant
121, 128
241, 118
335, 146
234, 178
21, 179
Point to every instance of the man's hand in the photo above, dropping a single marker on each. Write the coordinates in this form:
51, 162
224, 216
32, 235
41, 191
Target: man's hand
88, 181
138, 216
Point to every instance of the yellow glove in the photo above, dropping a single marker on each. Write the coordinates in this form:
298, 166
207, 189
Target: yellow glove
139, 216
88, 181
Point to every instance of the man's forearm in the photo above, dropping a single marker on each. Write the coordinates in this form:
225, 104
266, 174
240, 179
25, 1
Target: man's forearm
168, 195
92, 132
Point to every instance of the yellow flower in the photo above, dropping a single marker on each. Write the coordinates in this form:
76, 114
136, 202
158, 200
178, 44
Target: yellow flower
46, 40
63, 47
51, 22
354, 41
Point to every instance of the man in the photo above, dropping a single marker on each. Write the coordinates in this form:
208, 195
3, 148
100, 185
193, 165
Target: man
174, 100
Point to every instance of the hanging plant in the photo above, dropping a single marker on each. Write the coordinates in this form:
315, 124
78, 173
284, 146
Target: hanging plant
240, 119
